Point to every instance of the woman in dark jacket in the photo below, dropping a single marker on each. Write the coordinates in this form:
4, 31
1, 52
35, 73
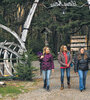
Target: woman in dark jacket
47, 65
81, 66
64, 58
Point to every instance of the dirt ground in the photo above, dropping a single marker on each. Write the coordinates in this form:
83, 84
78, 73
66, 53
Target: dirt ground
55, 93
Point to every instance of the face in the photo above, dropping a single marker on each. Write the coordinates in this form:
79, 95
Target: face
47, 50
64, 48
82, 51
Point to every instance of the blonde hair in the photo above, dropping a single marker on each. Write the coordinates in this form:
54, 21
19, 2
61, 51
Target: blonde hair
62, 48
44, 49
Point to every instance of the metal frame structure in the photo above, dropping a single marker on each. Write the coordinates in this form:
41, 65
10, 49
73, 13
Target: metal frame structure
8, 49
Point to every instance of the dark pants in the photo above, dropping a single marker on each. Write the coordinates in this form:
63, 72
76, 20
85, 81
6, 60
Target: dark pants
68, 75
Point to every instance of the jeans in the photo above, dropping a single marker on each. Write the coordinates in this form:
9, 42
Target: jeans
68, 75
82, 79
46, 76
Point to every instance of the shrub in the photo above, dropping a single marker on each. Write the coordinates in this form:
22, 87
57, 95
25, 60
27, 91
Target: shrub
24, 68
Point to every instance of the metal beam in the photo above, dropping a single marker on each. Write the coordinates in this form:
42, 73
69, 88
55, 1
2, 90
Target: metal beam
10, 50
28, 21
14, 34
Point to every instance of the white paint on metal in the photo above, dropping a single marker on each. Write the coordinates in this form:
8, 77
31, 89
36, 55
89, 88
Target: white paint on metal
28, 20
11, 60
14, 34
6, 63
88, 3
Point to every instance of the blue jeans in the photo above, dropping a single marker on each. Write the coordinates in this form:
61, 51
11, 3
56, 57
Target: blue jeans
82, 79
46, 76
68, 75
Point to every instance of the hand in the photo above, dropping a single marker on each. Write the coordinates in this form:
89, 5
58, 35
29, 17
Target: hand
41, 57
68, 65
76, 72
53, 70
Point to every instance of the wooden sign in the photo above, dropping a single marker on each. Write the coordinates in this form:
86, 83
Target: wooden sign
79, 45
77, 42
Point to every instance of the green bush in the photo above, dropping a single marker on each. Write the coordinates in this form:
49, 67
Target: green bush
24, 68
34, 57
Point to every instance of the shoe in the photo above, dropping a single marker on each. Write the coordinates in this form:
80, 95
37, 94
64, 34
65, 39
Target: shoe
62, 87
48, 88
84, 88
44, 86
81, 90
69, 86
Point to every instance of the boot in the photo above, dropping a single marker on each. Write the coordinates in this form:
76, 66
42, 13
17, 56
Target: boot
48, 88
45, 84
69, 86
62, 87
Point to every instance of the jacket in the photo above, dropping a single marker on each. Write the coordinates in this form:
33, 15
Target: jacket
61, 59
81, 64
47, 62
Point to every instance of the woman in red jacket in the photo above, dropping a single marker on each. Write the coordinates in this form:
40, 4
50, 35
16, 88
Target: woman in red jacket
64, 58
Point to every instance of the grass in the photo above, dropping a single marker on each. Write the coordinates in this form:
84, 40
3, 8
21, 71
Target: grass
10, 90
14, 88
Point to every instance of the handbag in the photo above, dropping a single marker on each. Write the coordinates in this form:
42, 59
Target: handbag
71, 64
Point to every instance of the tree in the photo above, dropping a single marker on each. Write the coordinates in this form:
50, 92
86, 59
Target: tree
75, 20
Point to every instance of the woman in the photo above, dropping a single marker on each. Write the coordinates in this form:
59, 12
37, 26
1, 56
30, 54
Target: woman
64, 58
81, 66
47, 65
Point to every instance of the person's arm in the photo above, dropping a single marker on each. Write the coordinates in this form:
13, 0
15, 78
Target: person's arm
41, 58
76, 62
52, 62
70, 60
60, 62
89, 57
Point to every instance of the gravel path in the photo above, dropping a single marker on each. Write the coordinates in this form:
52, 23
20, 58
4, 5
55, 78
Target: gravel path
56, 94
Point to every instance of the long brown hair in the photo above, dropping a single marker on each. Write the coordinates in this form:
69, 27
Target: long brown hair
62, 48
79, 54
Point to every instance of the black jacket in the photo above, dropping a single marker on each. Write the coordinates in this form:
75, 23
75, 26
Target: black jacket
81, 64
